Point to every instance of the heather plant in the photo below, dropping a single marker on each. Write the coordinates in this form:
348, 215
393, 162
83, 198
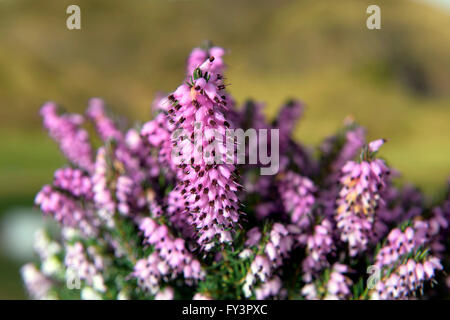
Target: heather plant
163, 210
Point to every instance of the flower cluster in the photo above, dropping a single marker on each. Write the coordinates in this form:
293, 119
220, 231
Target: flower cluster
163, 209
270, 254
169, 259
405, 266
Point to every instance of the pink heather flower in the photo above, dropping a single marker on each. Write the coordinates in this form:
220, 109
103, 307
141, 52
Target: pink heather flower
149, 271
338, 286
291, 152
167, 185
105, 126
319, 245
171, 252
199, 55
65, 210
176, 213
252, 116
66, 131
208, 188
123, 154
74, 181
117, 183
158, 135
261, 267
103, 198
358, 199
142, 153
297, 196
253, 237
375, 145
309, 291
165, 294
269, 288
279, 245
406, 279
337, 151
80, 266
399, 244
277, 248
124, 191
37, 284
287, 118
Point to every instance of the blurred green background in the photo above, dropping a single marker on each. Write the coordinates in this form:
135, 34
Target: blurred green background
394, 81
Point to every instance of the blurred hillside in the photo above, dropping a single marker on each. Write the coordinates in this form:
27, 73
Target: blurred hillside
394, 81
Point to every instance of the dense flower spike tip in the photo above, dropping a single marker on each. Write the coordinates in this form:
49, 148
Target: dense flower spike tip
199, 55
358, 200
208, 188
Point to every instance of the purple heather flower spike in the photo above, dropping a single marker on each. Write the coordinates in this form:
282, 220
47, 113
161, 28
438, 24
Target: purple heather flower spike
338, 286
103, 198
170, 258
401, 243
176, 212
208, 188
354, 139
406, 279
270, 288
66, 131
157, 132
105, 126
358, 200
264, 265
65, 210
74, 181
297, 196
319, 245
400, 279
79, 265
287, 118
